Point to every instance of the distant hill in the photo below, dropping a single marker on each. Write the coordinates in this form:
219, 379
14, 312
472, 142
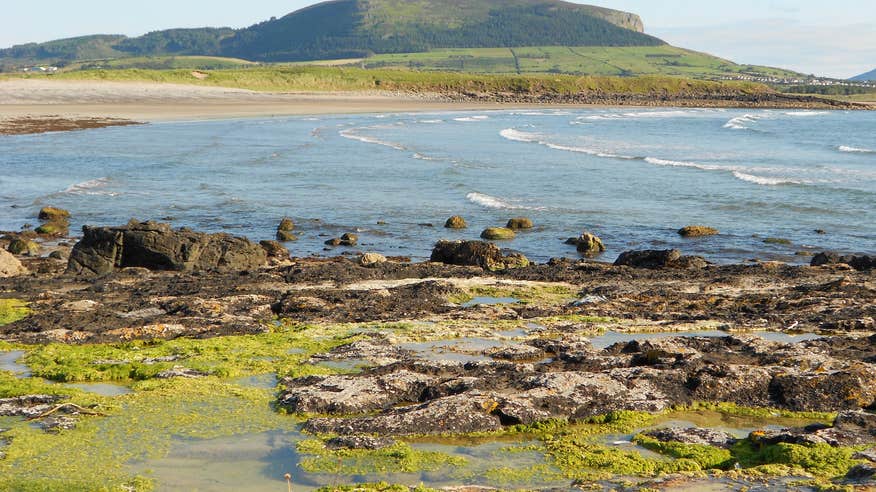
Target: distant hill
358, 28
864, 77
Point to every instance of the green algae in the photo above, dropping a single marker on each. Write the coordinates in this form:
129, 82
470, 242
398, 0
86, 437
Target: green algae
12, 310
541, 295
820, 460
375, 487
706, 457
758, 412
138, 426
400, 457
227, 357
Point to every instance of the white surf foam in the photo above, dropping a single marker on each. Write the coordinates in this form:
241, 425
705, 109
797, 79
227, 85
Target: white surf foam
764, 180
430, 122
489, 201
855, 150
422, 157
519, 136
352, 135
742, 122
469, 119
805, 113
90, 187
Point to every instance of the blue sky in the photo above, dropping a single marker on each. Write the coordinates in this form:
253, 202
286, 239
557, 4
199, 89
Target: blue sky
835, 38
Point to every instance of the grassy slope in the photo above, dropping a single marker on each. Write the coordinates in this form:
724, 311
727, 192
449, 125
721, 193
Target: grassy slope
165, 63
321, 78
650, 60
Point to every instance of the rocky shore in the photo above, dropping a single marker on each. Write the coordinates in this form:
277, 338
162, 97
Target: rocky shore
478, 341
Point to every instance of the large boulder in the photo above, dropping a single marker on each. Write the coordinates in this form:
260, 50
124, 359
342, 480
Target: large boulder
858, 262
9, 265
826, 391
53, 214
667, 258
476, 253
156, 246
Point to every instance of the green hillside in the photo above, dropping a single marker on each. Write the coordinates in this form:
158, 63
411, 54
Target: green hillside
355, 28
590, 60
864, 77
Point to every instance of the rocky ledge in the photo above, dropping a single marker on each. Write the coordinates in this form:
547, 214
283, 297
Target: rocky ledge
571, 380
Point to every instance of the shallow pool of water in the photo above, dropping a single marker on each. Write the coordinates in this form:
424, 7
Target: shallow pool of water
103, 389
490, 301
9, 362
610, 338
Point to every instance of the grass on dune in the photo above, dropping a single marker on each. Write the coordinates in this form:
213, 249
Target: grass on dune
325, 78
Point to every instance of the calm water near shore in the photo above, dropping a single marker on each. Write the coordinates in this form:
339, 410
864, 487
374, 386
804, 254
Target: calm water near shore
632, 176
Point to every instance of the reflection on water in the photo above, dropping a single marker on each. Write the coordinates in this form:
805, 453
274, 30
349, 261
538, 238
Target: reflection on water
103, 389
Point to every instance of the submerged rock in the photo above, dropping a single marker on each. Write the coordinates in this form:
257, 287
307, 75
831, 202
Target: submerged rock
697, 231
476, 253
587, 244
156, 246
360, 442
519, 223
455, 222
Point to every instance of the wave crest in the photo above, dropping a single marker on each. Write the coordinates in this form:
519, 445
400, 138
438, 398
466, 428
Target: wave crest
489, 201
855, 150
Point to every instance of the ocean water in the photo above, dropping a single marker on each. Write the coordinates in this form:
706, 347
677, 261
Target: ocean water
632, 176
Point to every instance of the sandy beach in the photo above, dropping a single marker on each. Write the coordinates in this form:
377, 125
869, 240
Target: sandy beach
166, 102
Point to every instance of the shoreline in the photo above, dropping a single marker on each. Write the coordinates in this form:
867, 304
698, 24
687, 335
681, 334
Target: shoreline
73, 105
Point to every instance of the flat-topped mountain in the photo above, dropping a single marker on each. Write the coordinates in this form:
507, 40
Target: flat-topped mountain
357, 28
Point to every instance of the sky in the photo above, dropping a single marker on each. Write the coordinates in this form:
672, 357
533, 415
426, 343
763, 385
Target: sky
835, 38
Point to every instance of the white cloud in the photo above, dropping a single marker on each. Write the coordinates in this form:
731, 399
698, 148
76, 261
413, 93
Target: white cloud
835, 51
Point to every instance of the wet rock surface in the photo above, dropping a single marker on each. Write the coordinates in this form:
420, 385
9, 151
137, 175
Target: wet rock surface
581, 382
156, 246
693, 435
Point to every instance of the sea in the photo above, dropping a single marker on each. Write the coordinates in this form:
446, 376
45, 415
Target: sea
632, 176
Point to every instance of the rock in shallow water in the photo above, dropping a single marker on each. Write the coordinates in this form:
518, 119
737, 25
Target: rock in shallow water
156, 246
476, 253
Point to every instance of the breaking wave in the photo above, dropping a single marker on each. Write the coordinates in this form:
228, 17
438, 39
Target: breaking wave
855, 150
91, 187
496, 202
764, 180
469, 119
352, 135
519, 136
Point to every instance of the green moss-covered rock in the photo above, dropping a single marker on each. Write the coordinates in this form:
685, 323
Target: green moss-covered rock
455, 222
12, 310
518, 223
23, 247
54, 228
498, 234
588, 244
52, 214
697, 231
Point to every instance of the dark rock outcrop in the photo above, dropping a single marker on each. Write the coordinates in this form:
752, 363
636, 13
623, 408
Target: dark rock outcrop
668, 258
476, 253
156, 246
858, 262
